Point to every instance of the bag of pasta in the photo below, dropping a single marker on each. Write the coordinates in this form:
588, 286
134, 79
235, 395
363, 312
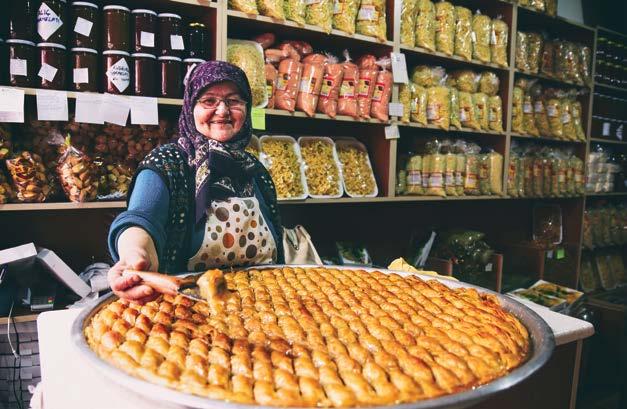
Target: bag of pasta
437, 167
426, 76
271, 8
371, 19
480, 101
526, 165
577, 113
513, 174
547, 174
548, 58
245, 6
382, 91
405, 98
560, 68
248, 56
445, 27
498, 41
522, 51
568, 125
484, 175
529, 122
585, 62
459, 148
537, 4
573, 65
538, 176
465, 80
450, 167
414, 176
577, 165
517, 110
320, 13
570, 173
481, 27
426, 160
368, 72
271, 78
468, 112
418, 104
425, 24
408, 23
5, 141
471, 177
534, 44
28, 174
551, 7
495, 113
489, 83
455, 122
295, 10
288, 81
345, 15
463, 32
330, 90
554, 112
539, 110
495, 172
310, 83
347, 100
6, 191
439, 107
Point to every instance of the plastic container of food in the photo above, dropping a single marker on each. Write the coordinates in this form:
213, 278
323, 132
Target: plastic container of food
349, 169
317, 166
286, 169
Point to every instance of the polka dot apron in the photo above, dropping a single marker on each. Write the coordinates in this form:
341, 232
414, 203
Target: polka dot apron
236, 234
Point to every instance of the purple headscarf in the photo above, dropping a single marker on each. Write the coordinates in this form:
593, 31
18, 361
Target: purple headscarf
222, 169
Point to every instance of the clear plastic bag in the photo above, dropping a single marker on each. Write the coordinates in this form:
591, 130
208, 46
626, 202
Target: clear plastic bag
271, 8
366, 85
427, 76
577, 114
382, 91
568, 125
481, 27
538, 177
534, 44
248, 56
455, 122
548, 58
271, 78
29, 178
439, 107
450, 160
495, 172
463, 32
517, 110
405, 98
408, 23
77, 175
414, 176
371, 19
320, 13
529, 122
484, 175
345, 15
573, 65
489, 83
330, 90
513, 174
468, 112
347, 100
480, 101
560, 51
310, 83
498, 42
445, 27
554, 112
471, 177
287, 85
495, 113
465, 80
541, 117
425, 24
295, 10
418, 104
437, 167
585, 61
460, 166
245, 6
522, 51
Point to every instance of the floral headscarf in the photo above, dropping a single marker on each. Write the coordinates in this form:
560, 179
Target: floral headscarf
222, 169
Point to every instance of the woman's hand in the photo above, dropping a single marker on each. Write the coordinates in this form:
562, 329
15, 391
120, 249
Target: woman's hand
137, 252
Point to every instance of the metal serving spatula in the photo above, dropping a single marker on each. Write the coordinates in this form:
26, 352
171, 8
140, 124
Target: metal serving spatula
167, 284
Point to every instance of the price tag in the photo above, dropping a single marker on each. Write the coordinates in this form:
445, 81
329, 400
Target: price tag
18, 67
259, 118
549, 254
11, 105
52, 105
176, 41
396, 109
399, 68
88, 108
81, 75
47, 72
606, 129
488, 267
83, 26
147, 39
116, 108
560, 254
144, 111
391, 132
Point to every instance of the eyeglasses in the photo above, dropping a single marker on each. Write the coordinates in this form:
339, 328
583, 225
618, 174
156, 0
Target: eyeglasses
214, 102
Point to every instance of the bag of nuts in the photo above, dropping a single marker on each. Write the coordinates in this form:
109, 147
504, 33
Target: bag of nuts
5, 141
117, 180
6, 191
29, 178
77, 174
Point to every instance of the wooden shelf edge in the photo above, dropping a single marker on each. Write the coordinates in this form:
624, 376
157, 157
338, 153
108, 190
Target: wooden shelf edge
608, 194
601, 140
557, 18
611, 87
434, 127
545, 139
344, 118
552, 79
19, 318
453, 58
199, 3
61, 206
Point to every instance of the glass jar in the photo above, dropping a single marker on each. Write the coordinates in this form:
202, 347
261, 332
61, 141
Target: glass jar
52, 21
116, 73
86, 18
170, 35
22, 62
116, 28
144, 69
144, 28
198, 41
52, 62
22, 18
171, 77
190, 64
84, 64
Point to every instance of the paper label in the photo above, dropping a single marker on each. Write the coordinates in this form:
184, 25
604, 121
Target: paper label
565, 118
367, 12
48, 22
396, 109
327, 84
115, 109
176, 42
52, 105
432, 113
391, 132
492, 37
47, 72
338, 6
144, 111
83, 26
363, 87
528, 108
399, 68
552, 111
619, 132
473, 37
425, 180
88, 108
463, 115
538, 107
310, 2
282, 82
435, 179
81, 75
378, 92
492, 117
11, 105
347, 89
449, 179
471, 181
119, 74
147, 39
270, 88
459, 179
606, 129
488, 267
18, 67
414, 178
258, 116
307, 85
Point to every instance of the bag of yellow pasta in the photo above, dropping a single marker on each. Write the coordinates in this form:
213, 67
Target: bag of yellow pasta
481, 27
495, 113
471, 177
248, 56
522, 51
529, 122
459, 149
513, 173
465, 80
418, 107
560, 51
480, 100
439, 107
427, 76
489, 83
463, 32
534, 44
320, 13
271, 8
295, 10
484, 175
437, 167
538, 176
450, 167
455, 122
539, 110
547, 65
408, 23
245, 6
494, 162
345, 14
554, 112
426, 166
498, 41
577, 165
577, 112
573, 65
568, 125
585, 62
414, 176
371, 19
425, 24
467, 111
517, 110
404, 97
445, 27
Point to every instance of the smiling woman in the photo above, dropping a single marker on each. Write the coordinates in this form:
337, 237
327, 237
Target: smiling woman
202, 202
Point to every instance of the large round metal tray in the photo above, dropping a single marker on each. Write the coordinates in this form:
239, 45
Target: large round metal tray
541, 348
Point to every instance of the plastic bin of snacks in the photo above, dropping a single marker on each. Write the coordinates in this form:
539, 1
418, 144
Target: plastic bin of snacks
281, 156
357, 174
322, 167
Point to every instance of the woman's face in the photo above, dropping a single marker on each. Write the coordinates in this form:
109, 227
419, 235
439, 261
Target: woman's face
213, 116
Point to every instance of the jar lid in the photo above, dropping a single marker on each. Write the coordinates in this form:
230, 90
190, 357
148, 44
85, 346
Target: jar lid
84, 50
115, 52
146, 11
53, 45
143, 55
116, 7
197, 24
169, 58
169, 15
16, 41
194, 60
84, 3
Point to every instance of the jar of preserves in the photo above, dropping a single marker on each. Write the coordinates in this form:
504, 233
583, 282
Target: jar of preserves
170, 35
52, 21
86, 18
190, 64
52, 62
171, 77
144, 27
84, 64
116, 78
144, 69
22, 18
198, 41
116, 28
22, 62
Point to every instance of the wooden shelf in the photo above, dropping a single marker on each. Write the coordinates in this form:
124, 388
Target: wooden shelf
451, 58
608, 141
344, 118
608, 194
546, 78
20, 318
72, 95
542, 18
61, 206
609, 87
451, 129
545, 139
